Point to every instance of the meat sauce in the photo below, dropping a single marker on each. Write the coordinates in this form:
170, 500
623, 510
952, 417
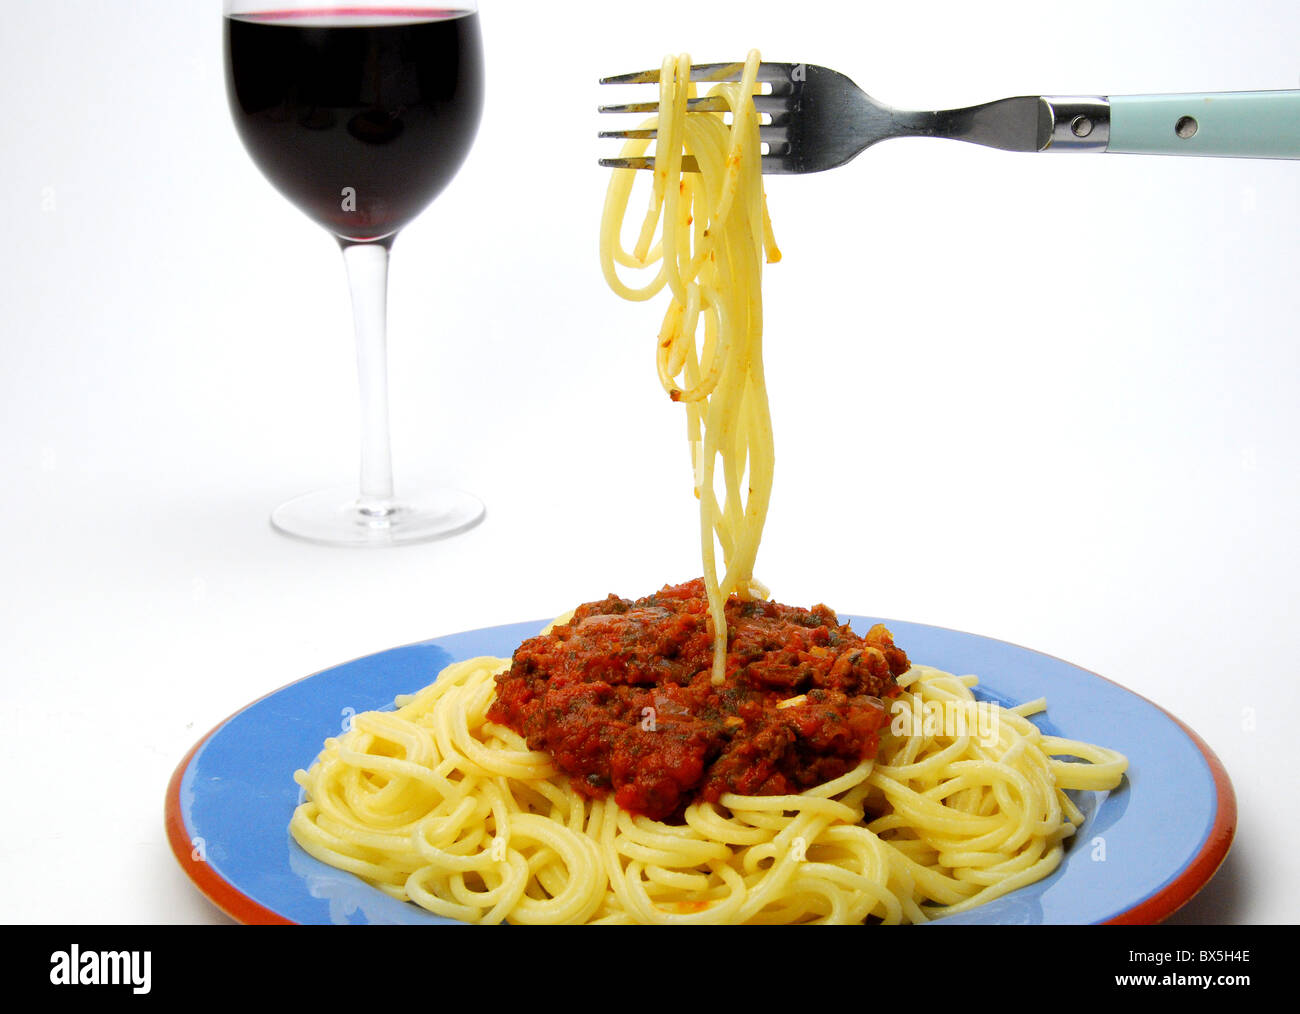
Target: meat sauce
622, 698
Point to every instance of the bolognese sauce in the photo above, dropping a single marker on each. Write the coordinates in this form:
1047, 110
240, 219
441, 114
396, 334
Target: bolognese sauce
622, 698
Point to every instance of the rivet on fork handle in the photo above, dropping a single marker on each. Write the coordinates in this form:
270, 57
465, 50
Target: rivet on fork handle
1078, 123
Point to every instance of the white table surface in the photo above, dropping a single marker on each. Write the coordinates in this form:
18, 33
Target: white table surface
1048, 399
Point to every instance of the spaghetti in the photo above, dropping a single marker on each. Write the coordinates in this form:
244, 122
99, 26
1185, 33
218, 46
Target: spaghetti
713, 231
436, 805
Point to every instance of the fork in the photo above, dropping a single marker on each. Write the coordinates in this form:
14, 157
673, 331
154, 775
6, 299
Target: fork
819, 119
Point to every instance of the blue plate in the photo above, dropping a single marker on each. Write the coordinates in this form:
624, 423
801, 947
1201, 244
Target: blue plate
1142, 852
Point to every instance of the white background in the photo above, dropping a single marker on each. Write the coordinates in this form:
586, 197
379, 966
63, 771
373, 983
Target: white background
1049, 399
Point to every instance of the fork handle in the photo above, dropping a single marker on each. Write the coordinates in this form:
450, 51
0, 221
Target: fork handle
1240, 124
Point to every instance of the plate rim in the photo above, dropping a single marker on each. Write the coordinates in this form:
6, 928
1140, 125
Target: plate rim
1157, 907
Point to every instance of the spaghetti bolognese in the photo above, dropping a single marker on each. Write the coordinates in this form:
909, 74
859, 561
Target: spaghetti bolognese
700, 754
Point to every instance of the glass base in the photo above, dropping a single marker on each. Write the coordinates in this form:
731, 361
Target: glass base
335, 517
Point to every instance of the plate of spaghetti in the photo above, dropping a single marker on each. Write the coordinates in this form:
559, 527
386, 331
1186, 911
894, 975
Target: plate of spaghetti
1137, 853
702, 753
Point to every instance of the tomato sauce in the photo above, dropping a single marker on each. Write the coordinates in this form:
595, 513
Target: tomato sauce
622, 698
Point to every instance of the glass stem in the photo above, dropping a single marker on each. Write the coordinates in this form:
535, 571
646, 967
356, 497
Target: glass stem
367, 265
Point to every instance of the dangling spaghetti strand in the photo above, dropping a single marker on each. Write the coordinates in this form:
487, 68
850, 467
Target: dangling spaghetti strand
713, 232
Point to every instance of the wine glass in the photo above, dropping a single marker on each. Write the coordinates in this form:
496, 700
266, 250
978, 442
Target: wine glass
360, 115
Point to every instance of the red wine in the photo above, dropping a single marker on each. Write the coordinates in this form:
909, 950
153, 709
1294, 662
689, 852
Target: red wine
359, 118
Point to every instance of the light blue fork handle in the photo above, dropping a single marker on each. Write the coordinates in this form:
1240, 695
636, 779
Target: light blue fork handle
1240, 124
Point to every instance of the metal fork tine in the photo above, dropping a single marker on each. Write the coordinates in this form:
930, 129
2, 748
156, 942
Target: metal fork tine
774, 164
714, 104
771, 132
689, 165
708, 72
626, 135
702, 105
